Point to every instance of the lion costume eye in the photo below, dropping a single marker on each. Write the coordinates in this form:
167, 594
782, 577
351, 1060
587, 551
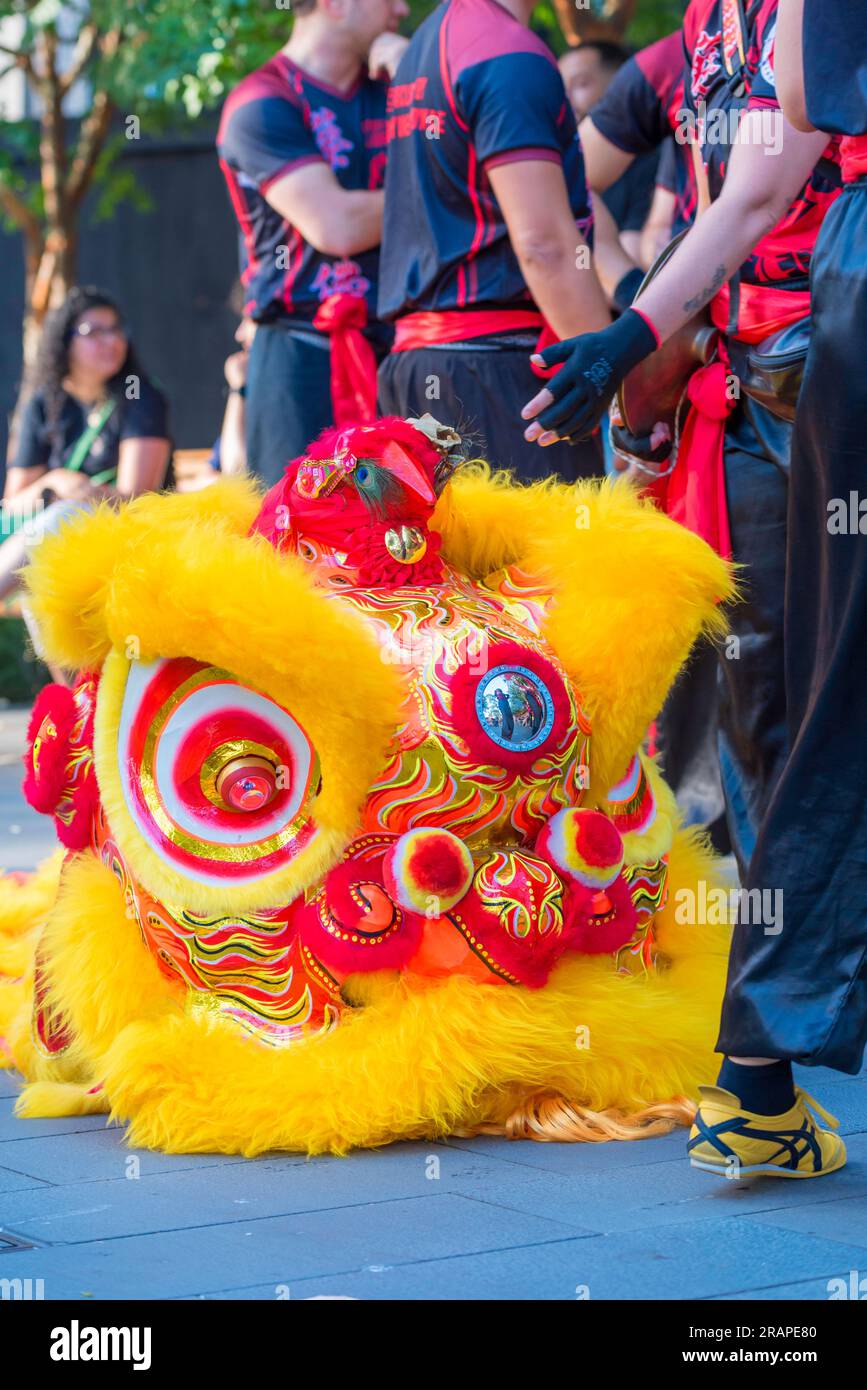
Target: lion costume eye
217, 778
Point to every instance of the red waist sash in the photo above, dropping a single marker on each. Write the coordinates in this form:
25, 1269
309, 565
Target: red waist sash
431, 326
695, 494
353, 361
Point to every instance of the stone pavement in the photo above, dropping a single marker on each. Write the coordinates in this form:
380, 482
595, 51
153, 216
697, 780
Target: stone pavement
474, 1219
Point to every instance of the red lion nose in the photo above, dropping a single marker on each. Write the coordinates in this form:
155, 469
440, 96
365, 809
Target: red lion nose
247, 784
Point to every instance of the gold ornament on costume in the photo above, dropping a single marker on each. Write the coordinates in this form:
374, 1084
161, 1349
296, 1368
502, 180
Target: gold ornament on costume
406, 544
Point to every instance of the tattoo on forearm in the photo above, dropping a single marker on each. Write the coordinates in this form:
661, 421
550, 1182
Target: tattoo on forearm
719, 276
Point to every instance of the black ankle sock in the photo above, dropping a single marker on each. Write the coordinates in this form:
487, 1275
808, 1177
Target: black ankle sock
766, 1090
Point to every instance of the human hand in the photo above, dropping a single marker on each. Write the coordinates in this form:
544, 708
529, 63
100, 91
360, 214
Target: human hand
68, 484
573, 402
385, 53
235, 369
640, 459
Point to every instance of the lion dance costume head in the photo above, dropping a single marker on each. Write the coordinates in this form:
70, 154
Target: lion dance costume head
360, 840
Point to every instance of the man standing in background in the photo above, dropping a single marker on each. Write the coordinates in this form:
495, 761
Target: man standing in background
485, 236
302, 148
588, 71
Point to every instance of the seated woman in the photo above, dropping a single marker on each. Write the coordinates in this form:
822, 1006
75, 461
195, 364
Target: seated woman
95, 427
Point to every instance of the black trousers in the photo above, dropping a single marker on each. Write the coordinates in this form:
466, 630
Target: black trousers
288, 396
751, 695
722, 731
801, 993
478, 387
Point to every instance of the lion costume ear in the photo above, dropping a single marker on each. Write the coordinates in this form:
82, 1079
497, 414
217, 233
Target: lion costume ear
633, 590
70, 575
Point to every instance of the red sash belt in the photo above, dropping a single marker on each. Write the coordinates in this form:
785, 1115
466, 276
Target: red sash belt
353, 361
431, 326
853, 157
696, 491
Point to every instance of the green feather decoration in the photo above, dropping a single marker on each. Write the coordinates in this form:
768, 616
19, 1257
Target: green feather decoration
377, 487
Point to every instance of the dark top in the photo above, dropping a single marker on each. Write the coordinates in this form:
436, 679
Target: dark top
475, 88
629, 198
666, 169
39, 447
835, 65
638, 113
276, 120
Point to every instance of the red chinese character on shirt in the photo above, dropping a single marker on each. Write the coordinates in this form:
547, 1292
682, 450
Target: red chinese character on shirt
705, 62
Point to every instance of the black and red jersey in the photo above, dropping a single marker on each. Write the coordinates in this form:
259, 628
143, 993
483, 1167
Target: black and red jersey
475, 88
277, 119
728, 72
640, 109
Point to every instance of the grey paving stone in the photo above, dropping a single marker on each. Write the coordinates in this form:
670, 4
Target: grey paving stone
577, 1159
12, 1128
711, 1260
236, 1192
93, 1154
665, 1194
844, 1219
10, 1181
814, 1290
279, 1250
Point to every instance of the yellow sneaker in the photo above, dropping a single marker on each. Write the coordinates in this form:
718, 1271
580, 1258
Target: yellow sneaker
739, 1144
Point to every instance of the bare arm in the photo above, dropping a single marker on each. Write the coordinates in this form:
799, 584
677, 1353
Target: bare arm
615, 252
609, 253
141, 466
25, 486
553, 256
656, 233
604, 163
337, 221
758, 189
233, 445
789, 63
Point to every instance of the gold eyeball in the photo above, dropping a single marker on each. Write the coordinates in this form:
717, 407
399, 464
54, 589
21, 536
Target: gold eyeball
406, 544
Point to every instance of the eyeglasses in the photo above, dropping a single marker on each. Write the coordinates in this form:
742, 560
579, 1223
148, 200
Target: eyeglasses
100, 330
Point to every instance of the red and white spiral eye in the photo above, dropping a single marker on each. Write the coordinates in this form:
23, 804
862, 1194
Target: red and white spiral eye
218, 778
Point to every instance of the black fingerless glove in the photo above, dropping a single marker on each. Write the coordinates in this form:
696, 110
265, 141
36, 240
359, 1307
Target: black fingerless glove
640, 446
594, 364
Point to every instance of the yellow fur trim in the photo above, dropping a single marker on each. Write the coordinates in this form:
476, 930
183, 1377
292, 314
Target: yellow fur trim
23, 903
46, 1100
99, 977
70, 577
410, 1064
633, 590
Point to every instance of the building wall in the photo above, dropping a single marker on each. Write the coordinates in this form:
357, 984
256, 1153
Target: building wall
171, 270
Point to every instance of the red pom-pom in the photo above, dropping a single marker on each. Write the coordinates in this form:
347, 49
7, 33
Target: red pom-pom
583, 845
597, 840
428, 864
45, 760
